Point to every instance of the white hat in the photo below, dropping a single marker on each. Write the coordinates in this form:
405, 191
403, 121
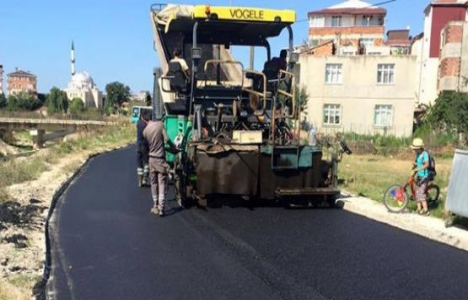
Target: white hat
417, 144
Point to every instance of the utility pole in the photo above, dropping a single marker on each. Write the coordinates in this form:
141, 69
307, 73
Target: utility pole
252, 52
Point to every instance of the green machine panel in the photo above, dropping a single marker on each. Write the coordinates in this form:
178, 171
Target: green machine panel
178, 129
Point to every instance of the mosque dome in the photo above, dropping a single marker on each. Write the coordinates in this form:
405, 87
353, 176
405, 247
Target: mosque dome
82, 79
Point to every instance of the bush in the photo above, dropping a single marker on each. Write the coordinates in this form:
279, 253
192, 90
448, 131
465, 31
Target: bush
76, 106
23, 101
3, 100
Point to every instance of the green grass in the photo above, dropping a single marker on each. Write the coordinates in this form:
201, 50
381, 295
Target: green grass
17, 171
26, 169
370, 175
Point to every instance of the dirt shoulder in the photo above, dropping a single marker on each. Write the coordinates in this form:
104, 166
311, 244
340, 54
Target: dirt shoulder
23, 218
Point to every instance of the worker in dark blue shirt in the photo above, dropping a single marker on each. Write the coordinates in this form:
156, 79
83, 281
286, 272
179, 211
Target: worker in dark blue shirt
142, 149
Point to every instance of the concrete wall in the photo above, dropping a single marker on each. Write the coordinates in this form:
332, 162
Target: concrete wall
417, 49
429, 67
429, 75
463, 79
359, 92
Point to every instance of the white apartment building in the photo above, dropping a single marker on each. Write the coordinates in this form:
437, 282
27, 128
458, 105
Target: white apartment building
364, 94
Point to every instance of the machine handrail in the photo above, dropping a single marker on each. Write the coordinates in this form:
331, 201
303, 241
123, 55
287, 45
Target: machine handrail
222, 62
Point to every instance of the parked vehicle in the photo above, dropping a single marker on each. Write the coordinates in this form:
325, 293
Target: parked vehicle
137, 111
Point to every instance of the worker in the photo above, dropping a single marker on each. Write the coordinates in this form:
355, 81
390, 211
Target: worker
142, 149
179, 74
176, 57
155, 133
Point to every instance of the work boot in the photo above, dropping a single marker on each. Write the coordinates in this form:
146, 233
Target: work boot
146, 175
155, 210
140, 180
146, 181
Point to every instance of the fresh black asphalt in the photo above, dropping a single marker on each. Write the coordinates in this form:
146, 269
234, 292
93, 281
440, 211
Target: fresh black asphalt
107, 245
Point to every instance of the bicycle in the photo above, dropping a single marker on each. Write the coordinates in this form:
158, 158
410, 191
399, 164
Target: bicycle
397, 197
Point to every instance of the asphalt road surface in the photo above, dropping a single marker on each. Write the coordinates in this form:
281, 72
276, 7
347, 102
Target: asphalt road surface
107, 245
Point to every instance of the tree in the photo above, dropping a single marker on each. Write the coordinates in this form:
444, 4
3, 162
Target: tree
76, 105
57, 101
42, 97
450, 113
3, 101
116, 94
13, 103
23, 101
302, 98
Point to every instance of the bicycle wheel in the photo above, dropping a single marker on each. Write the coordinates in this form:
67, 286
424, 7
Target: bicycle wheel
432, 194
395, 198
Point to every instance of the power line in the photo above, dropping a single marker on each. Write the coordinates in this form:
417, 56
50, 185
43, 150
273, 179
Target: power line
370, 5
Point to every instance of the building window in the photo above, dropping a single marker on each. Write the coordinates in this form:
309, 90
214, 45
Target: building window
336, 21
366, 42
316, 21
347, 52
332, 114
385, 73
333, 73
383, 115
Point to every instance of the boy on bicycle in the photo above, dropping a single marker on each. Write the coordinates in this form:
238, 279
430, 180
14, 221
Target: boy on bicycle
421, 168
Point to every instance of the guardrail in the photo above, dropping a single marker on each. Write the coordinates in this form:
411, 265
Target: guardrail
39, 126
54, 121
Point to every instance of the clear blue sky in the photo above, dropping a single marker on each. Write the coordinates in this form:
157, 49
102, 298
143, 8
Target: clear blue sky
113, 39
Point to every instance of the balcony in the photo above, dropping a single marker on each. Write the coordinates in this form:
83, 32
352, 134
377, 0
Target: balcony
450, 50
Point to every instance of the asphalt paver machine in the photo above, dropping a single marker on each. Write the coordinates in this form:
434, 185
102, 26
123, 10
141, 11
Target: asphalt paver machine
237, 127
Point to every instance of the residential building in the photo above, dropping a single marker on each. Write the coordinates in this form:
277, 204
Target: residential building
437, 14
354, 26
21, 81
357, 79
364, 94
82, 85
139, 96
1, 79
399, 41
453, 65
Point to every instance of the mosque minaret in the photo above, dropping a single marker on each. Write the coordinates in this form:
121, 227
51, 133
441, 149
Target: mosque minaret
72, 57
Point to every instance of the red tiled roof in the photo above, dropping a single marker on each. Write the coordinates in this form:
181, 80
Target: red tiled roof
398, 42
449, 2
21, 73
